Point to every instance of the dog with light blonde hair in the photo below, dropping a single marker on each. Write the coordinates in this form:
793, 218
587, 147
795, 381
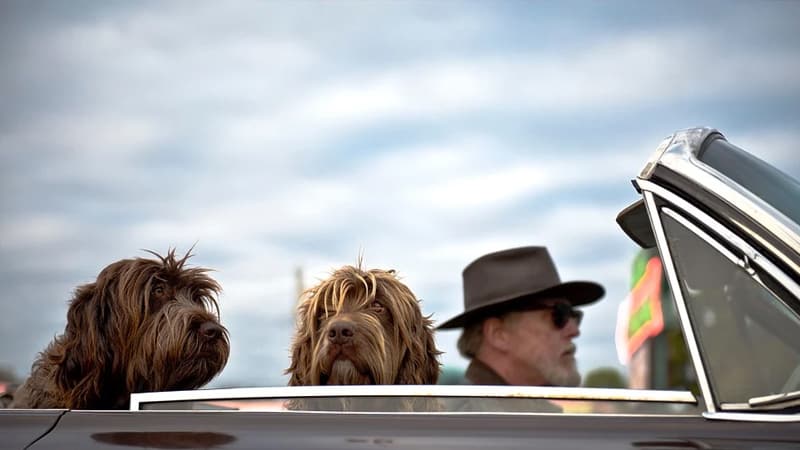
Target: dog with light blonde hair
362, 327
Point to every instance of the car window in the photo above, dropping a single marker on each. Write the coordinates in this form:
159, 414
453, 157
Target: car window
433, 404
744, 329
767, 182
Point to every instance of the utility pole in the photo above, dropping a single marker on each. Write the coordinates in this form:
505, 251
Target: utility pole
298, 282
299, 287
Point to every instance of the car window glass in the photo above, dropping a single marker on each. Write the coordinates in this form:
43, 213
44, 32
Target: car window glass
744, 330
767, 182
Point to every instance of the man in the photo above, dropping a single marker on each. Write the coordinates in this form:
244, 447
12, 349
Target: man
519, 319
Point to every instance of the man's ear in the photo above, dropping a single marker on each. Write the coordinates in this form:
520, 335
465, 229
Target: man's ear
496, 334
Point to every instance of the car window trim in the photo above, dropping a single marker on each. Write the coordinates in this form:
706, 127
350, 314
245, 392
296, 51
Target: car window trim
752, 417
531, 392
650, 191
680, 157
744, 262
776, 401
748, 252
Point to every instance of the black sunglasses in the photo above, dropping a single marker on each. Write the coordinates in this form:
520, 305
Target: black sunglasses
562, 312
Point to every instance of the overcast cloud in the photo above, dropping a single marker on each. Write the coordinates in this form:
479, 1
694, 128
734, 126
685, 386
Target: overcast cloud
286, 135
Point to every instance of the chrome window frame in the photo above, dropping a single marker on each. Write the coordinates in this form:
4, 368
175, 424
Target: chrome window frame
750, 256
680, 302
465, 391
753, 256
679, 155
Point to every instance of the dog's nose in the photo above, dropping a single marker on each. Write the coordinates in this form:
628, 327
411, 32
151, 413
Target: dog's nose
341, 332
210, 330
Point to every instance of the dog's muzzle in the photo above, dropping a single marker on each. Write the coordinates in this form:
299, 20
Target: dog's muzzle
341, 332
211, 331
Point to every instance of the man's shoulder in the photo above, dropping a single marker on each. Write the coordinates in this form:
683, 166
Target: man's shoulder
499, 405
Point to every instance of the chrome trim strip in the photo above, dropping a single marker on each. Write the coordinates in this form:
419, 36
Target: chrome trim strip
681, 157
752, 417
702, 234
767, 400
651, 163
285, 392
650, 190
748, 251
685, 143
677, 294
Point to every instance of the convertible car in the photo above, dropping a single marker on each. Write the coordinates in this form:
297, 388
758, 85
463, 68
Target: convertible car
725, 227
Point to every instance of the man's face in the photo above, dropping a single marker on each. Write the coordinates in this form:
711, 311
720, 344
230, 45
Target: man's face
543, 354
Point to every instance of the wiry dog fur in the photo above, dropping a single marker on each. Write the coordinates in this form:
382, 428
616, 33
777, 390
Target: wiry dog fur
362, 327
143, 325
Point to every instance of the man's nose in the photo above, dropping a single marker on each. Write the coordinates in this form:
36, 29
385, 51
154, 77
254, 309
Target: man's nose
572, 329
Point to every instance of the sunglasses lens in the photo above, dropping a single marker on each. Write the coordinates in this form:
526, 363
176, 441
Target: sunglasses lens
578, 315
562, 312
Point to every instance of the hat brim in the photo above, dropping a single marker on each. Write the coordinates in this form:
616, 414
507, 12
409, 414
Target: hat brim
576, 292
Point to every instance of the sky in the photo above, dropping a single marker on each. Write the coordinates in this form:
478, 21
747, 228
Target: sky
285, 136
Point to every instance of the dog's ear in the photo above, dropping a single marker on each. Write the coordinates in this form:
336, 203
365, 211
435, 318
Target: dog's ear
80, 365
301, 363
421, 362
300, 366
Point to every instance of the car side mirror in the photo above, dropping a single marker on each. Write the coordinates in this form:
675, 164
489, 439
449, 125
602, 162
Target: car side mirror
636, 224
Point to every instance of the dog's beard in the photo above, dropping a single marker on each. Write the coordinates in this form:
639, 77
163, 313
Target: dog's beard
173, 356
345, 372
349, 365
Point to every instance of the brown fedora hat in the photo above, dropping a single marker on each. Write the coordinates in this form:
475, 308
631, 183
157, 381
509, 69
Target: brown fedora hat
515, 279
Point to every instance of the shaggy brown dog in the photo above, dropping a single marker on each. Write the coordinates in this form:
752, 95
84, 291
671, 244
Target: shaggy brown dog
143, 325
362, 327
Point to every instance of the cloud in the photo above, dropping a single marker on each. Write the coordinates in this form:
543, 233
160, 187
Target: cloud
776, 145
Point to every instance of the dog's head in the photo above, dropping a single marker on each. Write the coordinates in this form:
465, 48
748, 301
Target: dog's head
143, 325
362, 327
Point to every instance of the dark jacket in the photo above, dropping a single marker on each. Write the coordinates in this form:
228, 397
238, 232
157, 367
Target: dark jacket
479, 373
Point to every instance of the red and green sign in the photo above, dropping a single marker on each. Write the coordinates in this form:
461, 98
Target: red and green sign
645, 317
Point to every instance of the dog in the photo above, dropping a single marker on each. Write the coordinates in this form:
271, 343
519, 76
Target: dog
143, 325
362, 327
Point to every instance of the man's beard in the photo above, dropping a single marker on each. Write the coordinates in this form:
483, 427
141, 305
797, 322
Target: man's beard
565, 375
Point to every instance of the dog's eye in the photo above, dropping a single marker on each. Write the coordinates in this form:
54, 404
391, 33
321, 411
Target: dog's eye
158, 291
377, 307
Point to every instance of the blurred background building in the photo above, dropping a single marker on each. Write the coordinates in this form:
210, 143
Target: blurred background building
649, 339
